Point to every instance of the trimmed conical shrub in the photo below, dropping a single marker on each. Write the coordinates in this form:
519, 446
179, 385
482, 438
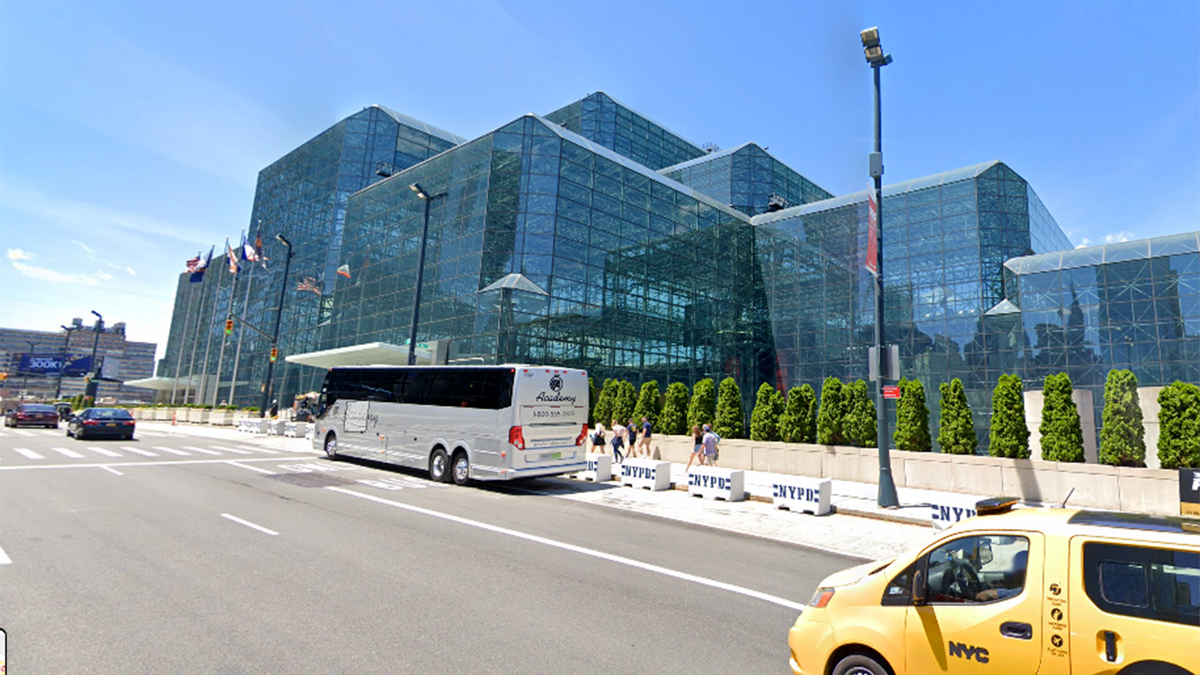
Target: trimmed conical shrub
912, 418
1009, 435
1122, 438
673, 419
859, 426
764, 420
1179, 426
602, 413
625, 402
649, 399
832, 414
593, 395
798, 424
703, 407
731, 421
1062, 434
956, 432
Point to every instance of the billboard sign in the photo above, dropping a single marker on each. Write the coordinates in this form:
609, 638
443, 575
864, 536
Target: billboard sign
47, 364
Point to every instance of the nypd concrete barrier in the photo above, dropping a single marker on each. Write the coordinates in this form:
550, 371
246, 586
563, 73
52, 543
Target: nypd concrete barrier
311, 432
252, 425
948, 509
599, 468
295, 429
646, 473
709, 481
799, 493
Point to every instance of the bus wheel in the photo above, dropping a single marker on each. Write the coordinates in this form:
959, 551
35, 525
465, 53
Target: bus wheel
439, 466
331, 446
461, 468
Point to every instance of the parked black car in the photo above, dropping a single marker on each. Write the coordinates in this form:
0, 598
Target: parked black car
32, 415
102, 423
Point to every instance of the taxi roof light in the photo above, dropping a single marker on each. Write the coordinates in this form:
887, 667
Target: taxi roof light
995, 505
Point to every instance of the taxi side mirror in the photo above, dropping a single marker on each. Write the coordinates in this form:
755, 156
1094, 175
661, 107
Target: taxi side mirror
918, 588
985, 553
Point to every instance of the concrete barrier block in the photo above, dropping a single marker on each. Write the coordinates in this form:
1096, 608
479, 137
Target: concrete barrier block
797, 493
790, 458
1152, 491
599, 468
717, 483
735, 453
948, 509
646, 473
310, 432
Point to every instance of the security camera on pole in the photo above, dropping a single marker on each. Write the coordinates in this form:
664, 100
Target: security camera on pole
882, 368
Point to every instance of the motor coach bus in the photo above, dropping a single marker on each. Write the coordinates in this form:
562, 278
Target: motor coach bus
459, 423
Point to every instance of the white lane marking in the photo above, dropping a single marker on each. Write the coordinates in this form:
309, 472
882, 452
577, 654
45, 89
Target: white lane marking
68, 453
23, 432
173, 451
247, 523
170, 462
4, 559
111, 470
230, 462
104, 451
144, 453
621, 560
202, 451
246, 452
29, 453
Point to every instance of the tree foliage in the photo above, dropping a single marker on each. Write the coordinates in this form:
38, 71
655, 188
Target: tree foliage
859, 426
730, 421
798, 423
1122, 436
1179, 426
1009, 433
764, 419
602, 412
673, 420
592, 396
832, 413
703, 407
956, 431
1062, 433
625, 402
649, 402
912, 418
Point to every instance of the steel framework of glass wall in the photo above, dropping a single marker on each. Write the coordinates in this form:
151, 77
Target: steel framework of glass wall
746, 178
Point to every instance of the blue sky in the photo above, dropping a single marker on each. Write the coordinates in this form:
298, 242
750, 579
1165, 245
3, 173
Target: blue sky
132, 133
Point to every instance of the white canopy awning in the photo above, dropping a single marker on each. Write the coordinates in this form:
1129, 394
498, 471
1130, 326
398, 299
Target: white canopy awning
164, 383
370, 354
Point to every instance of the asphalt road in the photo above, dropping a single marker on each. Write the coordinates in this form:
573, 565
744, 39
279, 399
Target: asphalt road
189, 553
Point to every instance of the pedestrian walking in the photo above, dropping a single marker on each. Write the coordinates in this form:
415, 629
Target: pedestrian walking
633, 438
709, 441
697, 448
598, 439
620, 433
644, 442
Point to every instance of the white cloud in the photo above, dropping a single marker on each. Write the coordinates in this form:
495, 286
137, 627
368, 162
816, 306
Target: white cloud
83, 246
18, 254
54, 276
131, 272
1117, 237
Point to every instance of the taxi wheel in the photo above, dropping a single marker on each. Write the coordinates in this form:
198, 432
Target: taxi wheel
859, 664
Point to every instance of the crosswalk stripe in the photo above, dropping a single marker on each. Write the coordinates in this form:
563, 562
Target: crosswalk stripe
24, 432
236, 451
29, 453
200, 450
104, 451
173, 451
144, 453
68, 453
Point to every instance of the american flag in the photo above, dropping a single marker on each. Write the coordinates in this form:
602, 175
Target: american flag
309, 284
193, 264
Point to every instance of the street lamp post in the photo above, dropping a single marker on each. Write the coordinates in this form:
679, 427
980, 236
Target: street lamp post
62, 365
93, 384
25, 382
412, 336
887, 486
287, 266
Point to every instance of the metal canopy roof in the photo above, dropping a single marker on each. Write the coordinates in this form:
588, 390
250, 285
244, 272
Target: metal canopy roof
369, 354
164, 383
517, 282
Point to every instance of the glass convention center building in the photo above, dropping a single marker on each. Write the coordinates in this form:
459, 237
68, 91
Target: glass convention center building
593, 237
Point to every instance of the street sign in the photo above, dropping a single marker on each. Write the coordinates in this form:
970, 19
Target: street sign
891, 391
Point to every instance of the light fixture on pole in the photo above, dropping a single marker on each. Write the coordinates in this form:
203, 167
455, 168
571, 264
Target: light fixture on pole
887, 486
412, 336
93, 384
287, 266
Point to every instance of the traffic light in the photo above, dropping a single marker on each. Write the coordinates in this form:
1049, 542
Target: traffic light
274, 354
3, 376
229, 326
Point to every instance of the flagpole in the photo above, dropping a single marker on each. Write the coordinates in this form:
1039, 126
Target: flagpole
208, 342
224, 337
196, 335
237, 353
182, 337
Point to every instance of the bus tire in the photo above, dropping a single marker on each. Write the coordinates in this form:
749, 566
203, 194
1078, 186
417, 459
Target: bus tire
439, 466
460, 468
331, 445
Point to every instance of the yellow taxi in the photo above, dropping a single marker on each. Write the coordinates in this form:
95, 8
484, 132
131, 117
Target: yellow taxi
1023, 590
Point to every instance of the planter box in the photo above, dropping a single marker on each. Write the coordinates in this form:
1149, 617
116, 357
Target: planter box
222, 418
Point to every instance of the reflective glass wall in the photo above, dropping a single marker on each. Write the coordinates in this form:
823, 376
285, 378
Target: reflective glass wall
746, 177
613, 125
